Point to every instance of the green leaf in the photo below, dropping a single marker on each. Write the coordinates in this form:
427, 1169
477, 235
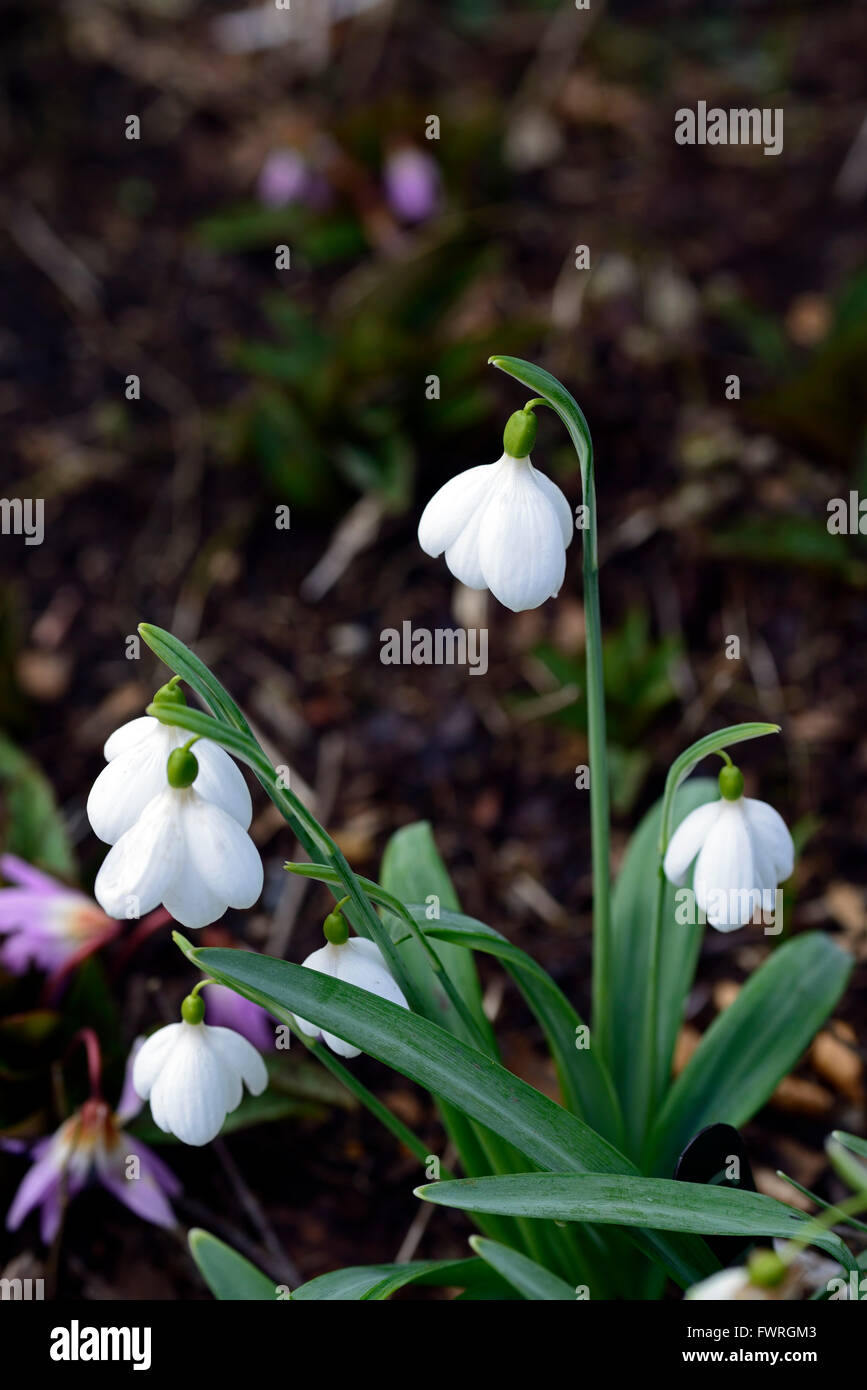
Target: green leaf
375, 1283
229, 1276
32, 826
427, 1054
750, 1047
846, 1166
584, 1081
412, 871
632, 912
657, 1203
529, 1278
186, 664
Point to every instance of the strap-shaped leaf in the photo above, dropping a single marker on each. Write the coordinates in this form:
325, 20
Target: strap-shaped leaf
530, 1279
750, 1047
375, 1283
229, 1276
542, 1130
584, 1080
659, 1203
632, 922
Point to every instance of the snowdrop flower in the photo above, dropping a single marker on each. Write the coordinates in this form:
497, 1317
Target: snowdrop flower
503, 526
45, 922
742, 851
194, 1074
183, 851
769, 1274
137, 754
355, 961
93, 1146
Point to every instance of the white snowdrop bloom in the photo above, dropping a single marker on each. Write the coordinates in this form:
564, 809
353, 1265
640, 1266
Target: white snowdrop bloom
726, 1284
774, 1275
503, 526
194, 1075
355, 961
137, 754
184, 852
742, 851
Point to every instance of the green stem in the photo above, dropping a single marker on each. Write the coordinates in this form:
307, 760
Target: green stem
554, 394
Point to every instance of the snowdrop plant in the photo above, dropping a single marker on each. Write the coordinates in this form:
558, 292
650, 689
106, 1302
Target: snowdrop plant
579, 1198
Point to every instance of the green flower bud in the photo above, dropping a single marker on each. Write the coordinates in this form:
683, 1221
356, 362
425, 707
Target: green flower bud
193, 1009
766, 1269
731, 783
170, 694
519, 436
182, 768
335, 926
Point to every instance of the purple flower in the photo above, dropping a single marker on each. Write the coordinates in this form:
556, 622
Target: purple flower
46, 923
92, 1144
283, 179
231, 1010
412, 184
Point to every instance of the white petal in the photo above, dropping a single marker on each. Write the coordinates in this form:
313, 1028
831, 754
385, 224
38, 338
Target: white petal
449, 510
144, 862
195, 1090
724, 1285
343, 1049
221, 852
362, 964
768, 826
240, 1055
128, 735
558, 500
129, 783
220, 780
521, 551
327, 961
724, 878
688, 839
152, 1056
462, 556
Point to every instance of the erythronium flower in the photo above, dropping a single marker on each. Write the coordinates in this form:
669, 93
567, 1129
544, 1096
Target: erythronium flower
503, 526
283, 179
231, 1010
742, 851
45, 922
355, 961
183, 851
194, 1074
412, 184
137, 754
93, 1146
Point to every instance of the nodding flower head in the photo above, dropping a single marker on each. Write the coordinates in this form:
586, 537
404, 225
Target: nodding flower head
503, 526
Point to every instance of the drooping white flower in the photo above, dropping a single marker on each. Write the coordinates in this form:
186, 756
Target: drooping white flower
194, 1075
503, 526
779, 1275
356, 961
186, 853
742, 851
136, 755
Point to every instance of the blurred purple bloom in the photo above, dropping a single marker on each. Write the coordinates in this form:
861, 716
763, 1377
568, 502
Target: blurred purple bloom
46, 923
230, 1010
283, 179
412, 184
92, 1144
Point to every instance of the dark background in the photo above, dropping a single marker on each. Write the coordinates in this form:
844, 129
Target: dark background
306, 388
